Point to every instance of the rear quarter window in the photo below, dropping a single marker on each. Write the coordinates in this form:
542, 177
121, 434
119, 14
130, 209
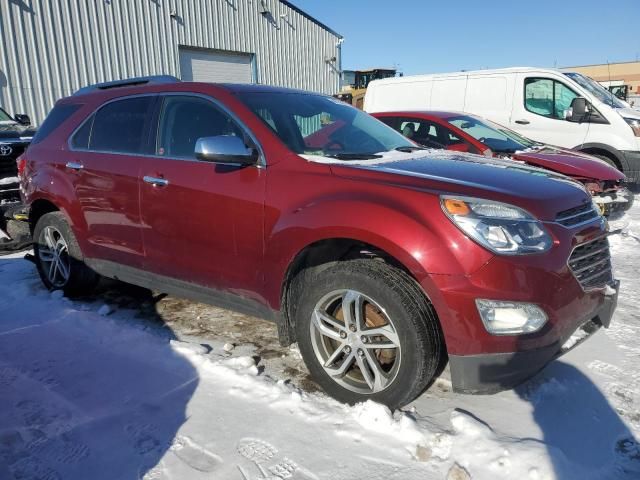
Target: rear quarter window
56, 117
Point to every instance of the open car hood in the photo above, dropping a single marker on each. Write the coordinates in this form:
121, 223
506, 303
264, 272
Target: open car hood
570, 163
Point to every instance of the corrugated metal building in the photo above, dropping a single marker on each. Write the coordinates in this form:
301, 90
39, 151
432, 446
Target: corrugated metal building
50, 48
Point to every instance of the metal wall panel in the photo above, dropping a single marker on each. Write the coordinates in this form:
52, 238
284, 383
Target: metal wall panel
50, 48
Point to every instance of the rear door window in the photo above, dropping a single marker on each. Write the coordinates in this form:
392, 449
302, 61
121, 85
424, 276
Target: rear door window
185, 119
122, 126
429, 134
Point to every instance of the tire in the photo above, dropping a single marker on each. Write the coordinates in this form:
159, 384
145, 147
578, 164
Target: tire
607, 159
54, 241
393, 305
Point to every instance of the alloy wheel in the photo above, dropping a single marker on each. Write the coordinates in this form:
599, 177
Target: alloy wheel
53, 253
355, 341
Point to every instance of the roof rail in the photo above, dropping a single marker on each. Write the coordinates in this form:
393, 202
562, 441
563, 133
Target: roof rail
128, 82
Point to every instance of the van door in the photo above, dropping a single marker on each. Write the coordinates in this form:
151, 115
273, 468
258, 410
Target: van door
105, 158
539, 109
203, 221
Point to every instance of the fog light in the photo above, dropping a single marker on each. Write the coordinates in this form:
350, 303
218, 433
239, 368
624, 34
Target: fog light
510, 318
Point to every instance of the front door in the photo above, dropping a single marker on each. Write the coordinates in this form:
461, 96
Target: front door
203, 222
540, 106
104, 163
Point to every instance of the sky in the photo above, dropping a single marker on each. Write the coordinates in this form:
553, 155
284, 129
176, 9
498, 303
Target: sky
427, 36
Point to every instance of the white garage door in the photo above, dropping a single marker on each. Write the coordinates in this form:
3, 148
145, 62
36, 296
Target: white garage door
215, 66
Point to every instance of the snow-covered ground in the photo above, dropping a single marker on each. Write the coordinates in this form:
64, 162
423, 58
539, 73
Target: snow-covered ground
101, 389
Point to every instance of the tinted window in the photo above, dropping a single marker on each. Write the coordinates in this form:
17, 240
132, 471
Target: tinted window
80, 140
120, 126
186, 119
56, 117
547, 97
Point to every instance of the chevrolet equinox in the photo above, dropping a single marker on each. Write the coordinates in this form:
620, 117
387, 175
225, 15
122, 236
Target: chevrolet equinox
382, 259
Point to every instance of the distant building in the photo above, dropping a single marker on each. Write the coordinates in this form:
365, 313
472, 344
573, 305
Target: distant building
49, 49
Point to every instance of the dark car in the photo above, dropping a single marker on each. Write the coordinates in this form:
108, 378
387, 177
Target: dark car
463, 132
15, 135
382, 260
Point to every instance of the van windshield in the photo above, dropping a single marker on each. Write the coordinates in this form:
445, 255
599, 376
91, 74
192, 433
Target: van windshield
498, 138
319, 125
595, 89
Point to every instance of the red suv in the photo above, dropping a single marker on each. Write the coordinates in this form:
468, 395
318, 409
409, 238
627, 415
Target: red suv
380, 259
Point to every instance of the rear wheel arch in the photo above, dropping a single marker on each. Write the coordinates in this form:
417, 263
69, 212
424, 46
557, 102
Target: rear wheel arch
39, 208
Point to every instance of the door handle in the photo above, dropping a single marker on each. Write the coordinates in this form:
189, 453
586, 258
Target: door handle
155, 181
523, 122
74, 166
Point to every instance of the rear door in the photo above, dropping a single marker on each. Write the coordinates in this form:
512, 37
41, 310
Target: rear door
540, 104
203, 221
104, 163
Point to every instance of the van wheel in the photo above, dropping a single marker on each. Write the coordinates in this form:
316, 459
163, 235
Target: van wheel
366, 331
607, 159
58, 257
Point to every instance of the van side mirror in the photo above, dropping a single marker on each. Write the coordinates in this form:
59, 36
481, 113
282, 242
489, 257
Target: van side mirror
578, 111
22, 119
225, 149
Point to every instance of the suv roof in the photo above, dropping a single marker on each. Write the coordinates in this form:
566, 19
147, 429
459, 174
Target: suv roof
144, 84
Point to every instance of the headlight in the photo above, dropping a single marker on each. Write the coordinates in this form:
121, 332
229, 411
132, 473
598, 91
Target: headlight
510, 318
634, 123
502, 228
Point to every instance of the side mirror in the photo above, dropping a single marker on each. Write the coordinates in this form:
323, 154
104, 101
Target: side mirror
22, 119
578, 110
225, 149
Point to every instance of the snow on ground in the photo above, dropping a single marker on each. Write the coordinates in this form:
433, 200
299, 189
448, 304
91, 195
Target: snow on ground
90, 389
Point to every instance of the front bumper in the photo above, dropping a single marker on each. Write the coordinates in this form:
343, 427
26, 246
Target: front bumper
631, 166
491, 373
481, 362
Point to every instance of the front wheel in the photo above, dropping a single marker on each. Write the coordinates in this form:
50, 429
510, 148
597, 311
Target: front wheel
58, 257
366, 331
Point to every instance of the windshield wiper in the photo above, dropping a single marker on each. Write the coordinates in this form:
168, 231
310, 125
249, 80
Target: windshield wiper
409, 149
354, 156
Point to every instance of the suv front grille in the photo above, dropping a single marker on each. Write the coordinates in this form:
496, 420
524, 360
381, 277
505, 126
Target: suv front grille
577, 215
590, 263
8, 166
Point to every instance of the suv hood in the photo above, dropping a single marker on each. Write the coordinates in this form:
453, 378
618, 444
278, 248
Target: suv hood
15, 131
567, 162
542, 192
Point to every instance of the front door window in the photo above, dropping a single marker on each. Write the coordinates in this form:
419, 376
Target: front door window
547, 97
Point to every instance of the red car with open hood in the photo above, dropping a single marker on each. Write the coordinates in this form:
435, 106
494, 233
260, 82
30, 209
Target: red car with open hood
463, 132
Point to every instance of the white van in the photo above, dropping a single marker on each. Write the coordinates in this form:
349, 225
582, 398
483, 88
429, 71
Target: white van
561, 108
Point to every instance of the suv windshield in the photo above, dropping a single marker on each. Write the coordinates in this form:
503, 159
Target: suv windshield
319, 125
497, 138
4, 117
597, 90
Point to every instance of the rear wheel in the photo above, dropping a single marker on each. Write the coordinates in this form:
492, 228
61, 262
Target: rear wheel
366, 331
58, 257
